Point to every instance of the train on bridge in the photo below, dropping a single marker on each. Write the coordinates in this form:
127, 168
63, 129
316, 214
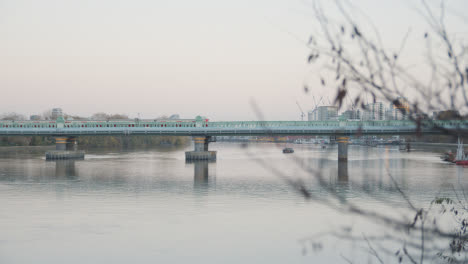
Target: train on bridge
204, 131
61, 123
200, 122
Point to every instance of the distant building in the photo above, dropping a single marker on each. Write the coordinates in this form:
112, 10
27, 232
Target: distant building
389, 113
351, 114
34, 117
323, 113
374, 111
174, 116
400, 108
56, 112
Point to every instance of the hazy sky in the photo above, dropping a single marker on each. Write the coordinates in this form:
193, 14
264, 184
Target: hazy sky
157, 57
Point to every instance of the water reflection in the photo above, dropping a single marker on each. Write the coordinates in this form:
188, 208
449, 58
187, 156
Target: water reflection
172, 209
366, 173
343, 172
200, 173
65, 169
201, 178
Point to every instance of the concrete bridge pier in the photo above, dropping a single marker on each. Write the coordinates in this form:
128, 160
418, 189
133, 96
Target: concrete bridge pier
72, 144
66, 147
66, 143
342, 148
61, 143
201, 151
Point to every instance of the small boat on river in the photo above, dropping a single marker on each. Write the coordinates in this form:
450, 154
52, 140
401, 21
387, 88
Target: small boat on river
288, 150
448, 157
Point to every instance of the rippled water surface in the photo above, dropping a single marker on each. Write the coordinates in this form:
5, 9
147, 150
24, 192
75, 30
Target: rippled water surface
149, 206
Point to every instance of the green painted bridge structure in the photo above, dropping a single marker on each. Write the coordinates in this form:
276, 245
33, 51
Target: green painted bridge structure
203, 131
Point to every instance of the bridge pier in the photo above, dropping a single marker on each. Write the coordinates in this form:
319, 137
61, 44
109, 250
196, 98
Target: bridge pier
72, 144
342, 148
65, 148
61, 143
201, 151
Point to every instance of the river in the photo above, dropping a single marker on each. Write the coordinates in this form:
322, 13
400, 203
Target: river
150, 206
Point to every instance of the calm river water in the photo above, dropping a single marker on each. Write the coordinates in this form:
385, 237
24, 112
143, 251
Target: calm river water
149, 206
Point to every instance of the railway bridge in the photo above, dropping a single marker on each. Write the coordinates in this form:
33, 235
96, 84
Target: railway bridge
204, 131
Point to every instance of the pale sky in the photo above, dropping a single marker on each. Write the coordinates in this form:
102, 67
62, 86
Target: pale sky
159, 57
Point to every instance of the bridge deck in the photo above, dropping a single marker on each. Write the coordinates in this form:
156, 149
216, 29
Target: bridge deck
239, 128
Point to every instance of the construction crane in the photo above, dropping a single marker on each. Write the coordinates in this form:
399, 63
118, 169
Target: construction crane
317, 104
353, 105
302, 112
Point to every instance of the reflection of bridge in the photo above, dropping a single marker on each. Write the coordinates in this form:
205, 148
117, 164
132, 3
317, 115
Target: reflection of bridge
203, 130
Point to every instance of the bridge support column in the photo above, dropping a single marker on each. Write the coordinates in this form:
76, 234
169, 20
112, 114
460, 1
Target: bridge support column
72, 144
201, 149
65, 148
342, 148
61, 143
